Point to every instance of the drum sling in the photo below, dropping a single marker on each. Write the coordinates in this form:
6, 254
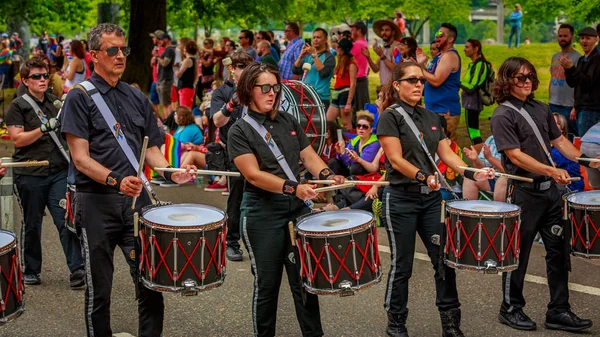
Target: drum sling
44, 120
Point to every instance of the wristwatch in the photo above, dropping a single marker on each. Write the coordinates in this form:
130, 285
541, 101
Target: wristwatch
384, 57
314, 55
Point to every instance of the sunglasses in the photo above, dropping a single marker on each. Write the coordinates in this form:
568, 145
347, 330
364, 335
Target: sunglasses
414, 80
439, 34
523, 78
113, 51
240, 66
363, 126
266, 88
38, 77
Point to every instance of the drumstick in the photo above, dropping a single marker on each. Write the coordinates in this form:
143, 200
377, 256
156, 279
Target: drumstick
574, 179
26, 163
200, 172
333, 188
593, 160
141, 166
353, 182
498, 174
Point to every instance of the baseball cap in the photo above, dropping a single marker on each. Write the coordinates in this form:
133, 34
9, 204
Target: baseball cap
164, 36
4, 35
346, 45
360, 26
588, 31
157, 33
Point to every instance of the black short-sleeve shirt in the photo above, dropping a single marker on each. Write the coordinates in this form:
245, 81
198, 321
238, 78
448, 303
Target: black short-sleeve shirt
132, 111
22, 113
392, 124
288, 135
166, 73
221, 96
511, 131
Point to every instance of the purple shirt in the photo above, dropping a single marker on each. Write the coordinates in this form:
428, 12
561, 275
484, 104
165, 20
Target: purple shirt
368, 153
289, 57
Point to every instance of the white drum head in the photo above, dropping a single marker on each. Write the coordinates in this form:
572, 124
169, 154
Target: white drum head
183, 215
483, 206
334, 221
589, 198
6, 238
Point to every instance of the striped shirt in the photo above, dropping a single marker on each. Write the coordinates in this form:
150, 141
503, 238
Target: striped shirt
289, 57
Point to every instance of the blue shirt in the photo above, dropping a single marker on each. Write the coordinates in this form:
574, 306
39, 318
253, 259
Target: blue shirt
515, 18
190, 133
445, 97
289, 57
569, 166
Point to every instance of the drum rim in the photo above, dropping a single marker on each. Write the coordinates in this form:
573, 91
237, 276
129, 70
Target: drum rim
454, 210
193, 228
578, 205
329, 291
334, 233
11, 245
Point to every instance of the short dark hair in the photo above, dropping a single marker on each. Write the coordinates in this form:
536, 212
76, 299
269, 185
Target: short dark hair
567, 26
191, 47
265, 35
248, 80
248, 34
294, 26
319, 29
241, 57
451, 28
503, 82
35, 62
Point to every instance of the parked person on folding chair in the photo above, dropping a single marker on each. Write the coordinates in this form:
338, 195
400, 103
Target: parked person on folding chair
487, 157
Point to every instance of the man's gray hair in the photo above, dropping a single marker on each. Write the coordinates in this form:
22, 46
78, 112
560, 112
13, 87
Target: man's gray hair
95, 34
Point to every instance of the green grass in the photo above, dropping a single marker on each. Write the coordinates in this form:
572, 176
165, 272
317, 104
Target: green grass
540, 54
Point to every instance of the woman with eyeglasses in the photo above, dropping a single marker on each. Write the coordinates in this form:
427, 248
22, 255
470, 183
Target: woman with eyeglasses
411, 204
541, 200
271, 197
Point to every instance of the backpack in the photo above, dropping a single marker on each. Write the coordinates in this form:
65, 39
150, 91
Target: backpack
485, 90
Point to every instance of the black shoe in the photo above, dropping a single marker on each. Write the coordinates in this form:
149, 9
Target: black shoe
517, 320
567, 321
31, 279
234, 254
397, 325
451, 323
77, 279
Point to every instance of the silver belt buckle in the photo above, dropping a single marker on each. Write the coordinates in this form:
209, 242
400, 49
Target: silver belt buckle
425, 189
545, 185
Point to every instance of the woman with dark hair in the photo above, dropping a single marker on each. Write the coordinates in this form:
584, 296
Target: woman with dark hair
411, 204
540, 201
76, 69
187, 74
475, 77
408, 49
345, 84
271, 197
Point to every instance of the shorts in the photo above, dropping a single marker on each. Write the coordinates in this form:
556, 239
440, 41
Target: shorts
186, 97
339, 98
174, 95
154, 94
164, 90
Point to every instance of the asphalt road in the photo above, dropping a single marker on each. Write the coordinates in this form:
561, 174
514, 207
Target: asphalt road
52, 309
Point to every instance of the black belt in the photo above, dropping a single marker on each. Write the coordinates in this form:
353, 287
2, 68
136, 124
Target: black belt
413, 188
97, 188
536, 185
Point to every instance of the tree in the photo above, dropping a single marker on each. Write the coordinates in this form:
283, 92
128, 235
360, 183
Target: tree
419, 12
145, 17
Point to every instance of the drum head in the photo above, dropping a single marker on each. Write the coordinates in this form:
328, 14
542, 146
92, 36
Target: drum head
334, 221
483, 206
183, 215
589, 198
6, 238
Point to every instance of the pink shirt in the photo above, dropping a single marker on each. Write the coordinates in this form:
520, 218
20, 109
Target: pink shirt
361, 60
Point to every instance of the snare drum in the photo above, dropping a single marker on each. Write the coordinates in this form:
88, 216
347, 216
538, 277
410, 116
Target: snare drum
11, 279
339, 252
183, 248
584, 218
482, 235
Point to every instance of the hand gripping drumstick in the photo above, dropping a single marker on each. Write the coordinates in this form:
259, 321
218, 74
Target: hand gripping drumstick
199, 172
498, 174
352, 182
141, 166
26, 163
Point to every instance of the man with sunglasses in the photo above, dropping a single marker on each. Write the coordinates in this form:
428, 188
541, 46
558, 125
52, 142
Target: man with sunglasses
43, 186
443, 82
246, 42
106, 180
225, 111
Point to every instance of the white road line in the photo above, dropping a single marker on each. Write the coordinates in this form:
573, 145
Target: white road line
529, 278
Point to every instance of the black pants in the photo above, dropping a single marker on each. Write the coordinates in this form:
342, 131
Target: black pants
35, 194
405, 214
472, 118
105, 221
234, 203
266, 236
540, 210
338, 167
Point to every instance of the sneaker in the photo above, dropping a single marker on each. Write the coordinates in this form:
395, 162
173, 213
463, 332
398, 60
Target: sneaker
158, 180
31, 279
234, 254
226, 193
77, 279
168, 184
216, 187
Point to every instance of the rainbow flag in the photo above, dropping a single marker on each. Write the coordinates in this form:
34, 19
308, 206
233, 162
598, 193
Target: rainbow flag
172, 154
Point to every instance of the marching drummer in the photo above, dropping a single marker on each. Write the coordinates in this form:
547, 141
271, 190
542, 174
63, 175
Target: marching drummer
411, 204
272, 198
106, 180
540, 201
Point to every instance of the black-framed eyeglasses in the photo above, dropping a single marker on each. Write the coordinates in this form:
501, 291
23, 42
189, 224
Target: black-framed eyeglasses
113, 51
363, 126
38, 77
413, 80
266, 88
240, 66
523, 78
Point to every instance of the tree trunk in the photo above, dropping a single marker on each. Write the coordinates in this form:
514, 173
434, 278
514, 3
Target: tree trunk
145, 18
